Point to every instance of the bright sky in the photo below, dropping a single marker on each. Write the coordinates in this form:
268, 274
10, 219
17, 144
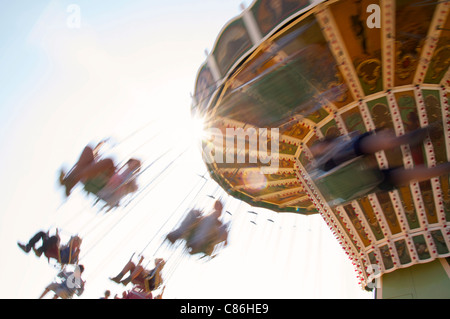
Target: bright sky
127, 73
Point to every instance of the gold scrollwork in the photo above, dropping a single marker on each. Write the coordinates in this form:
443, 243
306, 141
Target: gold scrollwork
441, 61
369, 71
337, 90
406, 65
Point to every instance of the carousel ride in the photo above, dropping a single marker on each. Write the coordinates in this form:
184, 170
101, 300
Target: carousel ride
305, 71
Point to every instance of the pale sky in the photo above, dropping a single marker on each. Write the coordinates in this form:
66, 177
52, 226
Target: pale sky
127, 73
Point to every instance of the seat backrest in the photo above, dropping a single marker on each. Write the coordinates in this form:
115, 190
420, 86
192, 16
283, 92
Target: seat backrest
348, 181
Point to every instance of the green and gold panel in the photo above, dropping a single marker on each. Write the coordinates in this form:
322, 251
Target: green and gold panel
363, 43
357, 225
353, 120
389, 212
304, 160
318, 115
408, 206
304, 202
371, 218
439, 242
380, 113
410, 35
281, 199
422, 248
372, 258
345, 227
441, 57
280, 177
428, 201
408, 110
382, 118
386, 257
285, 148
295, 129
446, 196
330, 129
262, 190
433, 109
241, 177
402, 252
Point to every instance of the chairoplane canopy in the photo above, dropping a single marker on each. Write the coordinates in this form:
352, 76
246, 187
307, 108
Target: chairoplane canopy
329, 68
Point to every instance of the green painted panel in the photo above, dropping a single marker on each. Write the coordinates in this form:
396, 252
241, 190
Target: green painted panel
422, 281
402, 252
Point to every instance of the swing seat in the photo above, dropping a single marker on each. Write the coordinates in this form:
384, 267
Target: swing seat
348, 181
186, 229
110, 200
98, 186
67, 255
151, 283
66, 258
94, 185
209, 243
138, 293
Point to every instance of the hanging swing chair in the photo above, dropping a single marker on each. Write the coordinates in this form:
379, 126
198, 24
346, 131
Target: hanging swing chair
101, 178
110, 197
138, 293
68, 254
316, 70
200, 236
